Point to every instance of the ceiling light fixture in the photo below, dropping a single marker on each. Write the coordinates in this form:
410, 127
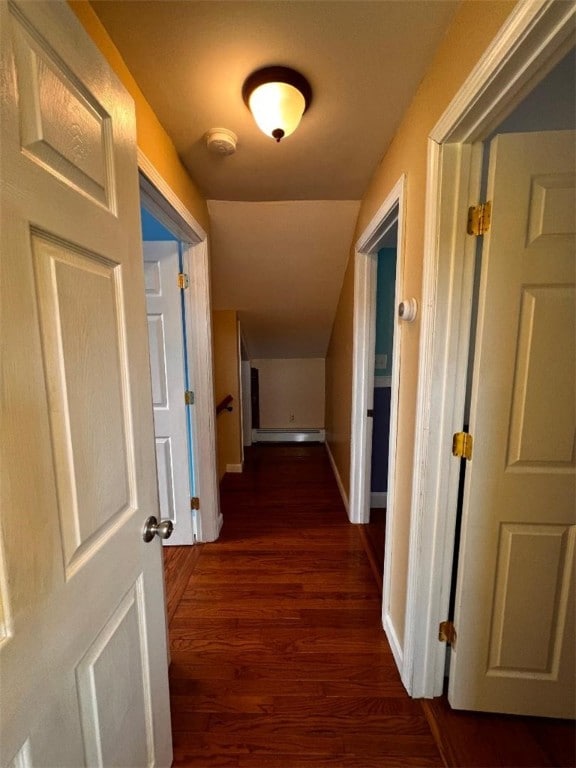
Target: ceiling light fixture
277, 98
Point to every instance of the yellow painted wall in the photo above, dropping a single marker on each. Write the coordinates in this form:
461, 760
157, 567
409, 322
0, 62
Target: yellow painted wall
463, 45
152, 138
291, 392
227, 382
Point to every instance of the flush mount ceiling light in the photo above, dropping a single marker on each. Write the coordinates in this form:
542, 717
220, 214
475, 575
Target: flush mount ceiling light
277, 98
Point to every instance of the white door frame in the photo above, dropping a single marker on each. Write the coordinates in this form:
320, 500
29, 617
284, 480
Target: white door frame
364, 339
169, 209
533, 39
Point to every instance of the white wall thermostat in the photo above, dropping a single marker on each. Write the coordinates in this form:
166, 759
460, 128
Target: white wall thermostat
407, 310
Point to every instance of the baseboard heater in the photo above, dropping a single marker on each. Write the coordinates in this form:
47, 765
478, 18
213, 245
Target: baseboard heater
288, 435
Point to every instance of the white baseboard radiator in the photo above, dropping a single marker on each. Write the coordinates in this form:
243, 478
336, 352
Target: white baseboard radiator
288, 435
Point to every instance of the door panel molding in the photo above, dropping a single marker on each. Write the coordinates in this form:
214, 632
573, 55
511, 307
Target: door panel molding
76, 406
115, 668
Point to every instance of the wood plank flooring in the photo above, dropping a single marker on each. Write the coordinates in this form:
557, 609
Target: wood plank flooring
278, 656
479, 740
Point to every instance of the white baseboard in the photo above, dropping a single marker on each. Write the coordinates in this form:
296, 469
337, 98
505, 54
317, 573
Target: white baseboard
338, 479
288, 435
378, 499
395, 646
234, 468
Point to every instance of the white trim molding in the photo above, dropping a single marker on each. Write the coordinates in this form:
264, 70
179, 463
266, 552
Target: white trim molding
170, 199
365, 269
534, 38
201, 366
393, 641
337, 477
158, 197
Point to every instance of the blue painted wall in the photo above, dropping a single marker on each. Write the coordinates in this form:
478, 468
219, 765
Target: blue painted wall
380, 438
385, 307
152, 229
384, 339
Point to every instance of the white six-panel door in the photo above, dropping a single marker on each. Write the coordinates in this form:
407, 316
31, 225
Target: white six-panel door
515, 647
83, 659
165, 333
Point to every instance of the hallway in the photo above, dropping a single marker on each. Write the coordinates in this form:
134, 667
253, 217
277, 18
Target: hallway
278, 656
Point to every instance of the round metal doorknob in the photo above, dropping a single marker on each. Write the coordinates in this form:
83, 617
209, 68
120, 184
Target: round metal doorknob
152, 528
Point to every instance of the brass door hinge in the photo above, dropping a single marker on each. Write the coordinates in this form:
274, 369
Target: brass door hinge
447, 633
189, 397
194, 502
183, 281
462, 445
479, 217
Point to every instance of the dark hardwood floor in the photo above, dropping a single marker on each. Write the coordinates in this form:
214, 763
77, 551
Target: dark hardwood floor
278, 656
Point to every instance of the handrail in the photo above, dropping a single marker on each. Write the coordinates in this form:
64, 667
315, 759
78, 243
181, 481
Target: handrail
224, 405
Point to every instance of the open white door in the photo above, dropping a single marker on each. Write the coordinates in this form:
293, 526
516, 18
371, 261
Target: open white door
166, 340
83, 655
515, 596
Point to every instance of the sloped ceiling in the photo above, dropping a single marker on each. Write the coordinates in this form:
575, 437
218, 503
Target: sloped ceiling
364, 60
275, 262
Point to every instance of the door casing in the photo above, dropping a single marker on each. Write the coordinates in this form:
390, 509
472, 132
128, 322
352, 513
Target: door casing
534, 38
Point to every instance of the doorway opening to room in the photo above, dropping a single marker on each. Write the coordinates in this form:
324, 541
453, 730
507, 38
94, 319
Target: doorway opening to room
381, 408
176, 262
454, 183
172, 395
376, 382
523, 170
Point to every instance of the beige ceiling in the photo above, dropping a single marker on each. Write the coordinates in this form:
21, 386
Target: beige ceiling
364, 61
280, 271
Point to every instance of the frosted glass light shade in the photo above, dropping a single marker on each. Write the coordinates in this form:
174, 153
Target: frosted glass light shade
277, 97
277, 108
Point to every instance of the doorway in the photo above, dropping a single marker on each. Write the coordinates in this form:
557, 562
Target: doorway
538, 39
161, 202
533, 146
384, 342
385, 231
172, 396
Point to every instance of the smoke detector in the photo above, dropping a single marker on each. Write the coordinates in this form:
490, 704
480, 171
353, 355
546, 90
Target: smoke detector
221, 141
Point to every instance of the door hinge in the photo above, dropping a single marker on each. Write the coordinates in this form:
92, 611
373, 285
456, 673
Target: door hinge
479, 217
194, 502
370, 413
183, 280
189, 397
462, 445
447, 633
